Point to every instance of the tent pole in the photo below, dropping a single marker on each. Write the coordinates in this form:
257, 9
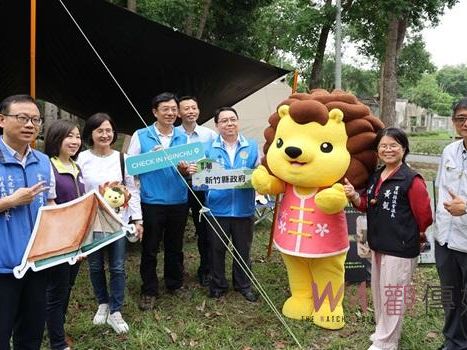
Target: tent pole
32, 63
295, 81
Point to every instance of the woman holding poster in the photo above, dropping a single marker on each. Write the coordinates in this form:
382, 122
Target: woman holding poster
62, 145
101, 164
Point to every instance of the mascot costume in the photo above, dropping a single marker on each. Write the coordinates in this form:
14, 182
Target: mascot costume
313, 142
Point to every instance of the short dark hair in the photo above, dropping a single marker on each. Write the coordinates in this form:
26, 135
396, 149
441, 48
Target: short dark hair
8, 101
55, 135
461, 104
93, 122
222, 109
163, 97
186, 98
397, 134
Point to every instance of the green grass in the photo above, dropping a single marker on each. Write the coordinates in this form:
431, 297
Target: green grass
429, 142
190, 320
432, 135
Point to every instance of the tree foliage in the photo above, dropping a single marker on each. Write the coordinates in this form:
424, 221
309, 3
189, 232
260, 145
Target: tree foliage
414, 61
453, 79
428, 94
380, 26
292, 33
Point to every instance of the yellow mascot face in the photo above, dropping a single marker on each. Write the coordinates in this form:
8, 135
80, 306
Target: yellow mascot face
309, 155
114, 196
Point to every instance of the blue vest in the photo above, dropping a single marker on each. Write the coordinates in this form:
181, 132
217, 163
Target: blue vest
238, 202
16, 224
163, 186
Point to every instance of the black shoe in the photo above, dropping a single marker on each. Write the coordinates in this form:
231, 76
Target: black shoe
249, 295
215, 293
146, 302
204, 279
175, 291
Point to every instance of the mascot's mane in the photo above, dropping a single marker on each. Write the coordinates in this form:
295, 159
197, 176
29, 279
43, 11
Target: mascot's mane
117, 187
360, 124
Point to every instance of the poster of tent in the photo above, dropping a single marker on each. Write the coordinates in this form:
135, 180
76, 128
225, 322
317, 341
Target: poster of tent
66, 232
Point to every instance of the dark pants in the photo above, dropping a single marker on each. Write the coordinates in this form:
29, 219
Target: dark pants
60, 281
201, 231
240, 231
162, 223
23, 310
452, 271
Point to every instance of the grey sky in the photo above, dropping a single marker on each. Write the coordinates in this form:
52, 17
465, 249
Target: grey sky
447, 41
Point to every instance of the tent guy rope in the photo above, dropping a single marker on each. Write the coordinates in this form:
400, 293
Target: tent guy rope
231, 249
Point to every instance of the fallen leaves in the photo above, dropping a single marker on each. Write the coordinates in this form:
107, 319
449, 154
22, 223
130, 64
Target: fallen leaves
172, 335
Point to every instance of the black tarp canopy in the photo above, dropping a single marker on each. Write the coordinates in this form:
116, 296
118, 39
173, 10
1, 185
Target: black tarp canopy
145, 57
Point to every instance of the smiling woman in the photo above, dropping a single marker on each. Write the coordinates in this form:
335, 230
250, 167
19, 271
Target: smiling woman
101, 164
398, 213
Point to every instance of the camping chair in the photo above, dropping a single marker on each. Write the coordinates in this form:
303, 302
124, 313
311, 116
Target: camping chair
264, 208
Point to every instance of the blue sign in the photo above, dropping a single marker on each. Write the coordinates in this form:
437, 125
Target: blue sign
164, 158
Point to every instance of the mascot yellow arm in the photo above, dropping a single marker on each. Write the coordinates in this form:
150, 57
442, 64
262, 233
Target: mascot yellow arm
331, 200
265, 183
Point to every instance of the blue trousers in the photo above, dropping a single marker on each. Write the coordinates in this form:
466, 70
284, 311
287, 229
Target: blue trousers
116, 254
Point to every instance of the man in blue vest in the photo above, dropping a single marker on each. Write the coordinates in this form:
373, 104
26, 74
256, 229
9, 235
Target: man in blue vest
26, 184
233, 209
164, 199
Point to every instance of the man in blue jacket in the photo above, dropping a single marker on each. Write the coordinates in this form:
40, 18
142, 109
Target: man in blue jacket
26, 184
163, 202
232, 208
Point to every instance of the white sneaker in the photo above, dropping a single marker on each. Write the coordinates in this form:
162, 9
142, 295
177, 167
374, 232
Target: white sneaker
117, 322
101, 315
374, 347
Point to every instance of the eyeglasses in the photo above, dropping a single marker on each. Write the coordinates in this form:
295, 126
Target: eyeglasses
226, 120
392, 146
168, 109
23, 118
459, 119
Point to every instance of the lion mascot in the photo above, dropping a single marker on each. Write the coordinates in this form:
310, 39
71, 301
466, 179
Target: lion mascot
313, 142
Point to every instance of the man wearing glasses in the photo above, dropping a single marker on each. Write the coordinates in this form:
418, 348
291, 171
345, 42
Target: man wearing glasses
26, 184
451, 233
233, 209
163, 202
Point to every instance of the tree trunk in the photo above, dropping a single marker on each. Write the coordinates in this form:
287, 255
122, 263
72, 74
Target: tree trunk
203, 19
317, 68
394, 39
131, 5
188, 28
